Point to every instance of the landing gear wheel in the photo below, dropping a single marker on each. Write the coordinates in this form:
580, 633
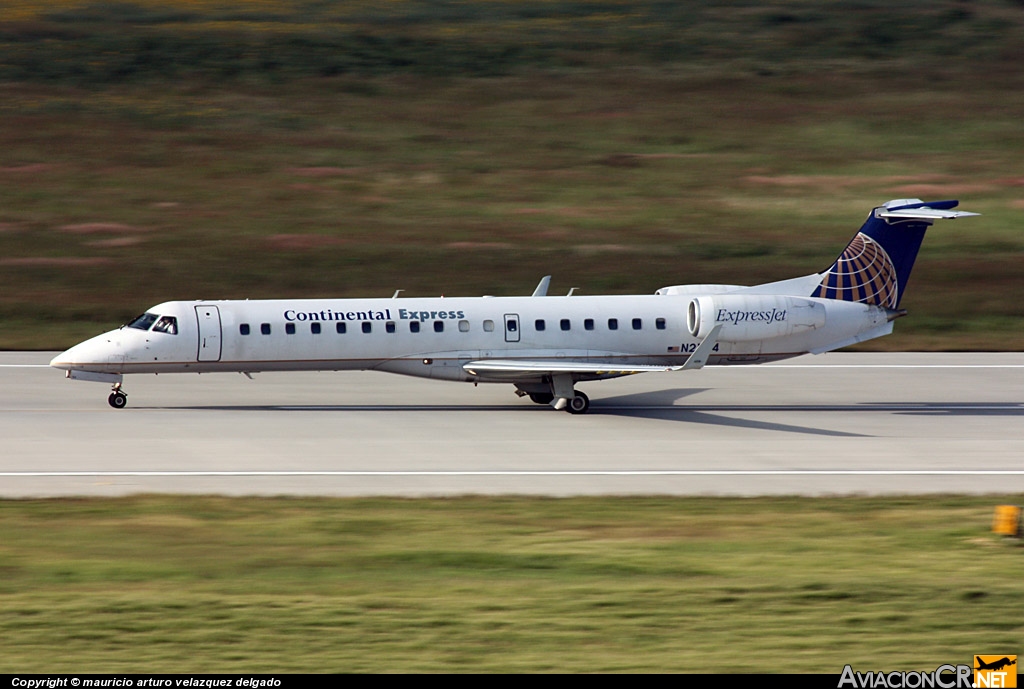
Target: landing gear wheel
578, 404
117, 400
541, 397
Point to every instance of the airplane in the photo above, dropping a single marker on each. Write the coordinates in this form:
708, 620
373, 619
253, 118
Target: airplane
543, 345
994, 665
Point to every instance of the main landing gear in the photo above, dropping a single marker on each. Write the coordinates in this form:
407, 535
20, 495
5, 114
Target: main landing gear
557, 392
117, 398
566, 397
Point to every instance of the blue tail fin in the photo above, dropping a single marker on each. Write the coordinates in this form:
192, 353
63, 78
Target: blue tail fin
875, 266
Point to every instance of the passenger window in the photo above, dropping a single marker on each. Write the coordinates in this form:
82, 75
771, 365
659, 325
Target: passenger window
314, 328
166, 324
539, 324
367, 327
390, 326
564, 323
637, 324
463, 326
613, 323
265, 328
588, 323
438, 326
142, 322
488, 326
243, 329
659, 323
340, 328
289, 328
511, 325
414, 326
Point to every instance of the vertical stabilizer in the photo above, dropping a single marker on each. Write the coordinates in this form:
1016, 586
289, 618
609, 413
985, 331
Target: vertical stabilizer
875, 266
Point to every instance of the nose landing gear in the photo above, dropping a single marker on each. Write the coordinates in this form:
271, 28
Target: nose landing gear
117, 398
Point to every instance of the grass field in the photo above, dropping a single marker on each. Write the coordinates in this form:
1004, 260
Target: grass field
619, 146
202, 584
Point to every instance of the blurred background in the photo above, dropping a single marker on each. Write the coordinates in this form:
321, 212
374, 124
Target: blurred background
160, 150
171, 149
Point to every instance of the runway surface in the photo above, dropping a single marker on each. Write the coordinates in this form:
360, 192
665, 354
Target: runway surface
832, 424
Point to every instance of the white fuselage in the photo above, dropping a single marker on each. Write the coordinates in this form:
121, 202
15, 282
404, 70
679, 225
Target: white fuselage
437, 337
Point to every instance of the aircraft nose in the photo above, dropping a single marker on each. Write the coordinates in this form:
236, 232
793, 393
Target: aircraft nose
95, 352
79, 354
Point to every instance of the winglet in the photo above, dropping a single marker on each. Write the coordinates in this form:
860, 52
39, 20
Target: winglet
703, 351
542, 287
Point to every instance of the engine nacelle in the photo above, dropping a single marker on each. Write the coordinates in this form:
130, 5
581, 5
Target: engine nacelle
749, 317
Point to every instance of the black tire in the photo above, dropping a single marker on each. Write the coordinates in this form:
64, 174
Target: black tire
541, 397
578, 404
117, 400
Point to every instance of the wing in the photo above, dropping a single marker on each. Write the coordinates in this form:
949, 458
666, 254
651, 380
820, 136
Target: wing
512, 369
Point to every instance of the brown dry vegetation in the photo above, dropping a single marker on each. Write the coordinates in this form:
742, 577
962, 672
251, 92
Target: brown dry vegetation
616, 171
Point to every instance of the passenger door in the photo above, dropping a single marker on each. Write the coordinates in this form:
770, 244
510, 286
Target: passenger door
209, 333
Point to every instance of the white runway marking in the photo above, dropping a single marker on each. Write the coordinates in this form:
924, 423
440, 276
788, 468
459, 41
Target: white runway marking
597, 472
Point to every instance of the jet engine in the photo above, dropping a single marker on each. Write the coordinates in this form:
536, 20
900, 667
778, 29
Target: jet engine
748, 317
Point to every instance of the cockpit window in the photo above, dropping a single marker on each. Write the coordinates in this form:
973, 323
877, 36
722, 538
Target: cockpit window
143, 322
166, 324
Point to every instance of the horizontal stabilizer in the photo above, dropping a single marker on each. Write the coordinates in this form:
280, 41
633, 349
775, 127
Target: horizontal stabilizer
916, 209
924, 214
